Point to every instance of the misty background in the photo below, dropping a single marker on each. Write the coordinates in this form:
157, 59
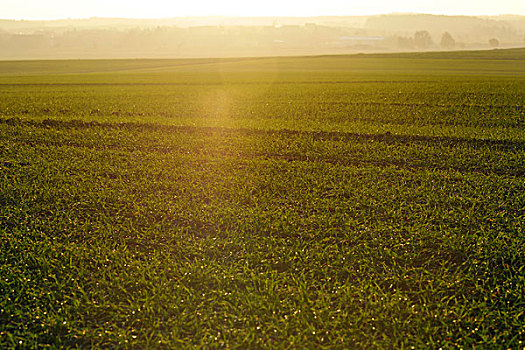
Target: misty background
254, 36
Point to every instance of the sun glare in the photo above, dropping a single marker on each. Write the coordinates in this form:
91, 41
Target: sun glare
32, 9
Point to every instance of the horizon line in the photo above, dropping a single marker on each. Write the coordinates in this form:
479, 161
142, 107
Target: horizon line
48, 19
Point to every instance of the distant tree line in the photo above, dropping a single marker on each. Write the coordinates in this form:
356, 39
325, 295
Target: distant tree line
220, 41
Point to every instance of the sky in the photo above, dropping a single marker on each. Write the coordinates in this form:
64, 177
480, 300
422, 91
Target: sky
57, 9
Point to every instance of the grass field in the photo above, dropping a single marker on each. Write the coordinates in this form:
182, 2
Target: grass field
310, 202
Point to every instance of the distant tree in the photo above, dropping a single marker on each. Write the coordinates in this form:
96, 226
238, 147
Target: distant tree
447, 41
422, 39
494, 42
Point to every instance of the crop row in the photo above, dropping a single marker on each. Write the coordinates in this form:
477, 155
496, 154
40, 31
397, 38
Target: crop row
496, 103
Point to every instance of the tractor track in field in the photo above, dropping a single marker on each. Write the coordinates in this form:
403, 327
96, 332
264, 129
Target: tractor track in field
352, 161
388, 138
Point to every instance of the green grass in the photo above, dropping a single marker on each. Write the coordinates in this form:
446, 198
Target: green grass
316, 202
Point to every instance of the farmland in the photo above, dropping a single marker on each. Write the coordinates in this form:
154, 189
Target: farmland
306, 202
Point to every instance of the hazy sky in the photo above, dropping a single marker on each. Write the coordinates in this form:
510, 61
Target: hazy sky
50, 9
